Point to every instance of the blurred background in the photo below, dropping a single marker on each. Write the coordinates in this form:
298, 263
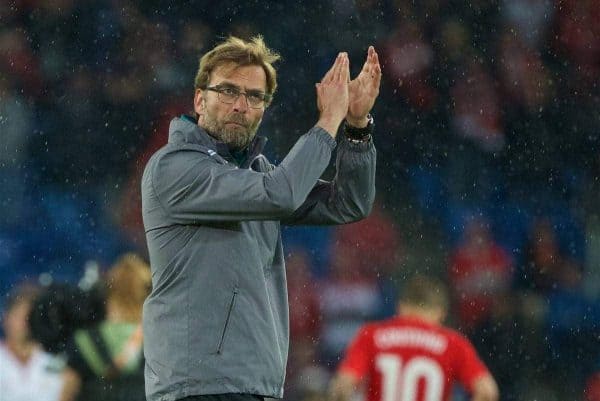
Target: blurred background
487, 130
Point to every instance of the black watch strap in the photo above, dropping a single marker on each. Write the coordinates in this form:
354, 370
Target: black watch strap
359, 134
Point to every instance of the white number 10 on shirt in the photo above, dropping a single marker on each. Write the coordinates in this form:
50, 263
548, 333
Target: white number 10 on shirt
400, 380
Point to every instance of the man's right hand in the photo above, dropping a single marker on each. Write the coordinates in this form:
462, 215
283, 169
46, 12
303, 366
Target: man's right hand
332, 95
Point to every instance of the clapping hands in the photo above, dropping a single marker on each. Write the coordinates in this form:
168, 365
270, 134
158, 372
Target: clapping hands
332, 95
338, 97
363, 90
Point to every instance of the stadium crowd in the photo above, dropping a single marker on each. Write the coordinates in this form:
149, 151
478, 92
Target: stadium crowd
487, 130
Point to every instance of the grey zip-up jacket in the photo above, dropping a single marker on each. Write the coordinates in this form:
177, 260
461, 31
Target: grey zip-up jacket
217, 318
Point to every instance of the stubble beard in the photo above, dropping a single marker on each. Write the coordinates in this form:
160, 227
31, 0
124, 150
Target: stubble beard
238, 137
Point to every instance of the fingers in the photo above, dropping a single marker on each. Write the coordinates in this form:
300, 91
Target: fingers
337, 70
328, 75
343, 72
373, 67
377, 75
333, 70
372, 55
372, 59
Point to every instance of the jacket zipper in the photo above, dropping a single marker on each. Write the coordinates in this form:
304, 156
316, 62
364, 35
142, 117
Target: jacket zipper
229, 311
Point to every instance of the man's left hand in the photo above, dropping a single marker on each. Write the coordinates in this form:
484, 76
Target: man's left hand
363, 90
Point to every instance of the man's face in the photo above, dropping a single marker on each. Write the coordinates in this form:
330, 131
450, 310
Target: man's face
234, 124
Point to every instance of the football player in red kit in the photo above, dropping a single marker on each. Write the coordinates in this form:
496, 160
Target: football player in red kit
412, 357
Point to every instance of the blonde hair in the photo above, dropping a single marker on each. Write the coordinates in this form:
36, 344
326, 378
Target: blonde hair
128, 283
242, 53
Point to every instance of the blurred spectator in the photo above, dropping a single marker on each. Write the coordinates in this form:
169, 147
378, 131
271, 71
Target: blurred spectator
303, 297
477, 106
374, 250
408, 58
480, 273
106, 361
578, 33
19, 62
26, 372
544, 263
306, 378
194, 37
523, 74
454, 40
347, 298
476, 121
373, 245
529, 20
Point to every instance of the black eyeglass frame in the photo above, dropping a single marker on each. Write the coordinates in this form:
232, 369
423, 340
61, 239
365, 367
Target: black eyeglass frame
219, 89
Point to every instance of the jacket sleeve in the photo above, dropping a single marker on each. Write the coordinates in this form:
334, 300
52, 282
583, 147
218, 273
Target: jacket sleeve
192, 188
349, 196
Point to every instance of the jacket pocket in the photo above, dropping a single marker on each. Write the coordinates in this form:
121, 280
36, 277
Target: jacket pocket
227, 320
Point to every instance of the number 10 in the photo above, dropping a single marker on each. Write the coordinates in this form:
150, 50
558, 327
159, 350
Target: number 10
400, 383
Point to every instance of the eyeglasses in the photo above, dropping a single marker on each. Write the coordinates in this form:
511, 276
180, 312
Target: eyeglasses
230, 94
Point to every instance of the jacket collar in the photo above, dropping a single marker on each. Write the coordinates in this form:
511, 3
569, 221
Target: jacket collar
184, 129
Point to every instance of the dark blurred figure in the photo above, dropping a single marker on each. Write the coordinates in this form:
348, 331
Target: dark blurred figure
26, 371
544, 263
105, 362
62, 308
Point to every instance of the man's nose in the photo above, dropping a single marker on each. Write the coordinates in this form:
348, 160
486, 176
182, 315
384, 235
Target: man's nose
241, 104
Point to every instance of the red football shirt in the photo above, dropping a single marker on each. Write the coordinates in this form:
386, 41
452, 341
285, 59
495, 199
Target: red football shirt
408, 359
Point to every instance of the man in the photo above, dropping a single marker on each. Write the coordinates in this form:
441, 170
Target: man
216, 322
412, 357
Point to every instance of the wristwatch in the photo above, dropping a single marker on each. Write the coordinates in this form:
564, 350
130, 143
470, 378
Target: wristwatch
359, 134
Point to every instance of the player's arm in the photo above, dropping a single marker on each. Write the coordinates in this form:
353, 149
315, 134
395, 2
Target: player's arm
485, 389
342, 386
472, 372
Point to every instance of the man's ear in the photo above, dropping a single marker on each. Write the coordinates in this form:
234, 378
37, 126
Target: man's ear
199, 101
